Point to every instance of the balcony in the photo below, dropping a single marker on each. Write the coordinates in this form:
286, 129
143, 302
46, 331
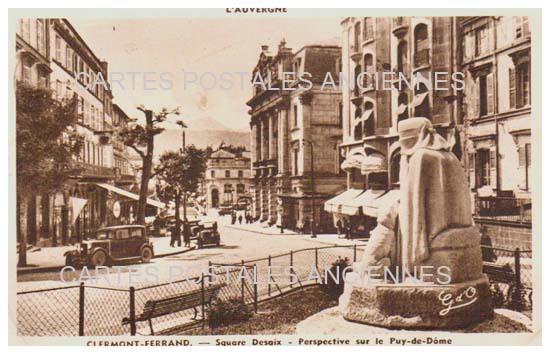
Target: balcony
504, 209
399, 26
86, 170
125, 179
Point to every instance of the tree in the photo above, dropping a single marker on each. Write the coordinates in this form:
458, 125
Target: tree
46, 143
179, 173
141, 139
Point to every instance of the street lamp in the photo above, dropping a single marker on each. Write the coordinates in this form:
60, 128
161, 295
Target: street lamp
183, 126
312, 176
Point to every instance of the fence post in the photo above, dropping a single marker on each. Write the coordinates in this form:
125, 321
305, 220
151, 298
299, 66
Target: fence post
132, 311
290, 269
516, 296
355, 252
81, 310
242, 280
269, 278
202, 300
316, 259
255, 291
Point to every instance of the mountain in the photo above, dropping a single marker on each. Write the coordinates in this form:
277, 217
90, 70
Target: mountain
201, 132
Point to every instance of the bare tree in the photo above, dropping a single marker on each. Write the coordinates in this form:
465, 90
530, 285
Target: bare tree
141, 139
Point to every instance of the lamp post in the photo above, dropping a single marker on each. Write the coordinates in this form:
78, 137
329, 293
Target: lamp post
183, 126
312, 190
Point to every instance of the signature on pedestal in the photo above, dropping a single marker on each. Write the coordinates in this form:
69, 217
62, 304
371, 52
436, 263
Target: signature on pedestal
467, 297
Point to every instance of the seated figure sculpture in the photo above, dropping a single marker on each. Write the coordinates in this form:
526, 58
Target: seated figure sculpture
426, 241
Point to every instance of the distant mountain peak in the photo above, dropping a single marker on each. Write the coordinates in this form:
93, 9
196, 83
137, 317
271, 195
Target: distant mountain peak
205, 123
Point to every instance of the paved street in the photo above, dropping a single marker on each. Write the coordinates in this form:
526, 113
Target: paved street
236, 245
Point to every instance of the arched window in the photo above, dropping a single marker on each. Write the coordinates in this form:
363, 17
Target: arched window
422, 102
368, 119
368, 77
358, 123
421, 45
402, 59
355, 78
395, 162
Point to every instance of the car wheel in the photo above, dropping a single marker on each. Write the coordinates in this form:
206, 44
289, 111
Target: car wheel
99, 258
146, 255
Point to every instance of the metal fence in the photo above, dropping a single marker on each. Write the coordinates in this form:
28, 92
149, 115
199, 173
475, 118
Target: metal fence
508, 209
85, 310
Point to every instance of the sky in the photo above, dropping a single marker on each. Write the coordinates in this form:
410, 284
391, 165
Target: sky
149, 57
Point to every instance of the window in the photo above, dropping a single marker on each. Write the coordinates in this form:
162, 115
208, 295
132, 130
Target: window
421, 45
58, 48
26, 72
340, 114
403, 109
402, 60
227, 188
368, 30
522, 27
524, 152
295, 115
357, 36
227, 174
358, 129
520, 81
368, 76
69, 58
213, 174
40, 42
481, 40
486, 95
368, 119
485, 166
240, 188
241, 174
295, 162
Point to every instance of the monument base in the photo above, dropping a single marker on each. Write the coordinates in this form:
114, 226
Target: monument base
418, 306
330, 322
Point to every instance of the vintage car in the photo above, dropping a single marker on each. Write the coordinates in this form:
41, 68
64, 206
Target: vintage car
225, 210
112, 244
208, 235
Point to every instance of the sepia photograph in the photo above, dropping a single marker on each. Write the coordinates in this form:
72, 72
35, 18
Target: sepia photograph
353, 177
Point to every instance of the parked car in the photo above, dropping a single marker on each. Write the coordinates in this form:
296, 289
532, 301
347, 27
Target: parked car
225, 210
208, 235
112, 244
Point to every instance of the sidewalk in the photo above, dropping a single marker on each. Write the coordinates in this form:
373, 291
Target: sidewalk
47, 259
264, 229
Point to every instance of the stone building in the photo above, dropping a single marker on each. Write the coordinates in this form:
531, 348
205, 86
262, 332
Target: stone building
51, 54
294, 131
496, 61
408, 50
227, 178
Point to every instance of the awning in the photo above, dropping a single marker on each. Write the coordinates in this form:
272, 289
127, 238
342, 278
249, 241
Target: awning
130, 195
382, 202
362, 201
374, 162
418, 99
333, 205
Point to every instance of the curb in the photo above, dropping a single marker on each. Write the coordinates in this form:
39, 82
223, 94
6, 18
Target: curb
36, 270
262, 232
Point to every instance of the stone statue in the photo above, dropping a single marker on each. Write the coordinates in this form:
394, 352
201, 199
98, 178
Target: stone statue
422, 266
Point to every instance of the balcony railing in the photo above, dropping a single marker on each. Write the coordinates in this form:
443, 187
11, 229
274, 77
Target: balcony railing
507, 209
87, 170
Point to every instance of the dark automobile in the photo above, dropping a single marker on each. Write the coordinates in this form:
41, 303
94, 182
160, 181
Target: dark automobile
208, 235
225, 210
112, 244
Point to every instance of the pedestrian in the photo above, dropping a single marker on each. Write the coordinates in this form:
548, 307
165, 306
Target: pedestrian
187, 234
172, 236
240, 218
339, 227
233, 218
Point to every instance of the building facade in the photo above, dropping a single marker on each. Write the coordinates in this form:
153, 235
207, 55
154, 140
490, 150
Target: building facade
51, 54
295, 135
227, 178
496, 61
408, 50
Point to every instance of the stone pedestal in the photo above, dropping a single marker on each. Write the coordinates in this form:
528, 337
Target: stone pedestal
418, 306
